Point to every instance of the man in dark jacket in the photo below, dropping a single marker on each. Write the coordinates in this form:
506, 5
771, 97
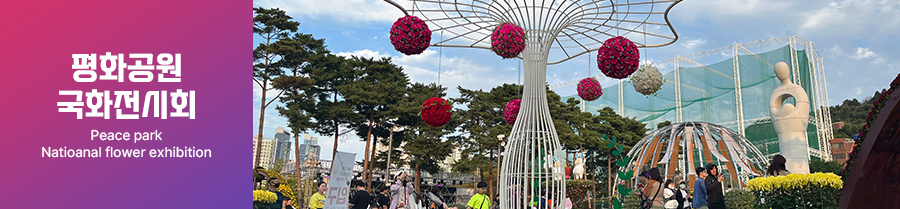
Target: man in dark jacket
713, 181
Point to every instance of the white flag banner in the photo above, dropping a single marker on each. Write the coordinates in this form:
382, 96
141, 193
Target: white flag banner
338, 191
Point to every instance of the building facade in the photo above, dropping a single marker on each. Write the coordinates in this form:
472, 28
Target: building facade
267, 155
841, 148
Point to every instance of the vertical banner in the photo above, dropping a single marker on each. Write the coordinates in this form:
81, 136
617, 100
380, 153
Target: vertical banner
339, 183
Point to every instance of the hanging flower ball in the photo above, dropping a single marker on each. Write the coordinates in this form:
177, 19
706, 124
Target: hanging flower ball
410, 35
647, 80
436, 111
589, 89
618, 57
508, 40
511, 111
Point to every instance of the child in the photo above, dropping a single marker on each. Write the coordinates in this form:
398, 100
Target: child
480, 200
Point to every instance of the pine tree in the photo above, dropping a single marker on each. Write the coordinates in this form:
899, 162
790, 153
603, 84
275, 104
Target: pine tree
272, 25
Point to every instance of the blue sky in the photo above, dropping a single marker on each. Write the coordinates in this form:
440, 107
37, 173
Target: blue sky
857, 39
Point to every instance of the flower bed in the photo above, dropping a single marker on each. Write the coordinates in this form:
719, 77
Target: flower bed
816, 190
577, 191
262, 199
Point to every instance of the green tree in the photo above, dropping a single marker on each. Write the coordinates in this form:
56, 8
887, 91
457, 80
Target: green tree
272, 25
818, 165
331, 111
663, 124
426, 145
377, 85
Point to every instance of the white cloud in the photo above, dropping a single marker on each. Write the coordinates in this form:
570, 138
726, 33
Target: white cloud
863, 53
454, 71
693, 43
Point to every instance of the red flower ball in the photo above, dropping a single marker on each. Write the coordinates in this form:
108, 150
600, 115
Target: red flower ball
618, 57
508, 40
436, 111
589, 89
511, 111
410, 35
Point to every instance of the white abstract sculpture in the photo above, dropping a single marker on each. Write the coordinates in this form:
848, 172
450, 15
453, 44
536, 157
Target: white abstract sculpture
578, 171
790, 120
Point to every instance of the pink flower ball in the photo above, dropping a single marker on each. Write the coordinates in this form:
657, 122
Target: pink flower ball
410, 35
589, 89
508, 40
511, 111
618, 57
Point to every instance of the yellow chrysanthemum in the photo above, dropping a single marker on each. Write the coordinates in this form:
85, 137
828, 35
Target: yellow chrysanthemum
795, 181
264, 196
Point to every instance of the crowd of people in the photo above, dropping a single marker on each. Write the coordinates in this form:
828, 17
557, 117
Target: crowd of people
707, 191
400, 195
655, 192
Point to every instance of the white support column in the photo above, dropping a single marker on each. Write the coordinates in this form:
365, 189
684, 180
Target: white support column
621, 98
678, 110
739, 104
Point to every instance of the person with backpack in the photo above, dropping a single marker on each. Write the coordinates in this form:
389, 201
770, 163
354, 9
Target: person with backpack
434, 197
653, 192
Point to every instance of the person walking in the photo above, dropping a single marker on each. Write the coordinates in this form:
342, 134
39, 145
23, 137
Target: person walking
777, 167
480, 200
653, 192
699, 195
713, 181
317, 200
362, 198
402, 192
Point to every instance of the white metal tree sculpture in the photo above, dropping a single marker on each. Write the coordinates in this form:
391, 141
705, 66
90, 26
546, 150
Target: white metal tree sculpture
531, 169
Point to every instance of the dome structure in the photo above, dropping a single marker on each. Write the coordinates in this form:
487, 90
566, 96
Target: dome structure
679, 148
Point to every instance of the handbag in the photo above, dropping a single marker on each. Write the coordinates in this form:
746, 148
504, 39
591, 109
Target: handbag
647, 203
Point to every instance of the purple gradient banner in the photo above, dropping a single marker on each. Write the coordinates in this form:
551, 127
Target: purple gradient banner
37, 43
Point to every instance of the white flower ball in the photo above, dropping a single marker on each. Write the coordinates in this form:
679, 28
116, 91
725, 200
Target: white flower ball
647, 80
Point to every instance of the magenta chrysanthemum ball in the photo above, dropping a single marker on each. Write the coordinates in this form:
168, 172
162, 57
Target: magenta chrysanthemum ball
436, 111
508, 40
410, 35
618, 57
589, 89
511, 111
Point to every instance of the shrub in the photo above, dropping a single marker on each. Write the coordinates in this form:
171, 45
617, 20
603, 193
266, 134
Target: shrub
740, 199
632, 201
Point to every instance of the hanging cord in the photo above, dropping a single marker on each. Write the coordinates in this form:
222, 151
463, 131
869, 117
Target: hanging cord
646, 56
440, 57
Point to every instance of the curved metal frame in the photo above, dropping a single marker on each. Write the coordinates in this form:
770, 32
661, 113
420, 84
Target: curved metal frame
531, 172
580, 23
